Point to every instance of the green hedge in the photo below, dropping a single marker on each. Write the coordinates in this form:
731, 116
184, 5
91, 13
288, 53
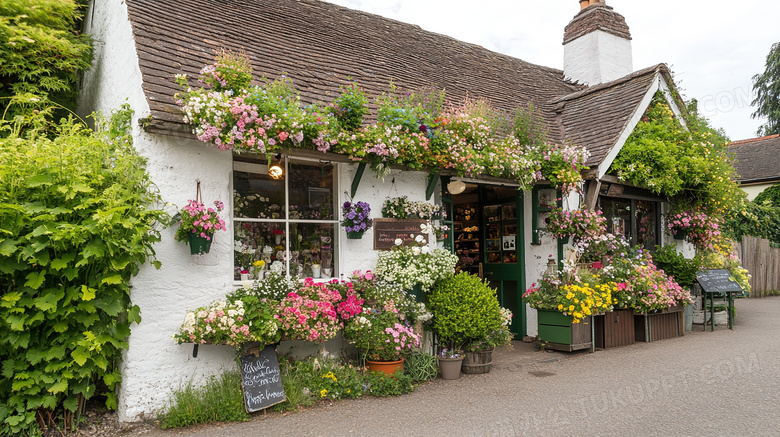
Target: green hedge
76, 221
755, 220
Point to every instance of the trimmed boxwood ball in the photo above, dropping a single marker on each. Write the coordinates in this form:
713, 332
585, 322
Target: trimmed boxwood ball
464, 308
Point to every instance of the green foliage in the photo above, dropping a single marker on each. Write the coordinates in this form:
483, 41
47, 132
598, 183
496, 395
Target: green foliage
769, 197
464, 308
350, 107
690, 165
41, 53
529, 127
754, 220
232, 71
675, 264
220, 399
421, 366
766, 87
76, 221
382, 384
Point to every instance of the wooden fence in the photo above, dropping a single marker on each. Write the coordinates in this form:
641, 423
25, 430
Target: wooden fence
763, 263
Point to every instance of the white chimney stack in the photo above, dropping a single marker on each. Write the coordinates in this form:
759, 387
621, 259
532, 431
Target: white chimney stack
597, 45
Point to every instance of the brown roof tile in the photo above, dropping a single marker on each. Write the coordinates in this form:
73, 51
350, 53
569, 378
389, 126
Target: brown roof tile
593, 18
320, 45
595, 117
757, 158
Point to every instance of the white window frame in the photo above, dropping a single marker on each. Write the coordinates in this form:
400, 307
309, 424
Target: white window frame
263, 169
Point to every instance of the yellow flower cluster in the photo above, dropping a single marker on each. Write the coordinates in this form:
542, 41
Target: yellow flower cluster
582, 300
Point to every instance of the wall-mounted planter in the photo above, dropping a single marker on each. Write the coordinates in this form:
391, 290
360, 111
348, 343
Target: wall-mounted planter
199, 245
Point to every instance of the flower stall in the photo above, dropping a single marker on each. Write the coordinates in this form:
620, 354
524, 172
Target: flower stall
324, 175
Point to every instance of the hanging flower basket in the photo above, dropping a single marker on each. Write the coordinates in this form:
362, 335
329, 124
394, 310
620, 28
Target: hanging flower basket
680, 234
200, 245
354, 235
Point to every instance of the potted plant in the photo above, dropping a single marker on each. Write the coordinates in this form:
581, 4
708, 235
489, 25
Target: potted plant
562, 224
700, 229
197, 225
357, 219
382, 338
464, 308
478, 352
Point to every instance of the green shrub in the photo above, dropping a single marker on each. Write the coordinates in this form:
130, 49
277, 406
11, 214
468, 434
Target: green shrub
421, 366
464, 308
769, 197
76, 221
382, 384
676, 265
219, 400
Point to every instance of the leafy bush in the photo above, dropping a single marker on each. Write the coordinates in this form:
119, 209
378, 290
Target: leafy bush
769, 197
382, 384
219, 400
754, 220
464, 308
350, 107
674, 264
76, 221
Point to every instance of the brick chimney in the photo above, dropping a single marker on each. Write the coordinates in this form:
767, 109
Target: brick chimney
596, 45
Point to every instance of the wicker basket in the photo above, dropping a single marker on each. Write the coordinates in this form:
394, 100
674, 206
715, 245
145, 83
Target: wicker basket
477, 362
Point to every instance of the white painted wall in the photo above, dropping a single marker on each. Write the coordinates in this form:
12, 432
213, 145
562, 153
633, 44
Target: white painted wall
597, 57
754, 190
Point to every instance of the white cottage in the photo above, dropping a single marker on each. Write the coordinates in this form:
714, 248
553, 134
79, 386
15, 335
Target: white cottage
142, 44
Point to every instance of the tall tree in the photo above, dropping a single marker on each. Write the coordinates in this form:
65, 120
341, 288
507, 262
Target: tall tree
766, 86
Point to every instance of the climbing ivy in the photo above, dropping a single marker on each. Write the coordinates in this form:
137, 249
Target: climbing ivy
77, 219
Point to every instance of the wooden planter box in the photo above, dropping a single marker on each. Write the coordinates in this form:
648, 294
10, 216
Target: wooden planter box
660, 326
614, 329
561, 334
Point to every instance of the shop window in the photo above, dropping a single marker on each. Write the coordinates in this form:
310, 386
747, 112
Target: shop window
289, 223
636, 220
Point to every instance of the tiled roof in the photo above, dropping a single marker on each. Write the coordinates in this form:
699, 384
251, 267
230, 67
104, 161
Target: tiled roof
320, 45
757, 158
596, 17
598, 115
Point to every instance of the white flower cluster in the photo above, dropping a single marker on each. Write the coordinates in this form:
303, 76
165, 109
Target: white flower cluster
506, 317
409, 266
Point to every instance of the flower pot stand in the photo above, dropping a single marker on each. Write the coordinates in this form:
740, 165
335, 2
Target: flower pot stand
560, 334
450, 367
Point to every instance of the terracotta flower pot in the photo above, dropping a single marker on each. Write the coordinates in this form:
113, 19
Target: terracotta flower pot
388, 367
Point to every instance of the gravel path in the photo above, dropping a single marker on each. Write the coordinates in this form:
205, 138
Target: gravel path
722, 383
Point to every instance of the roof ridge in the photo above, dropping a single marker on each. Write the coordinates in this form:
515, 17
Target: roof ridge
751, 140
592, 89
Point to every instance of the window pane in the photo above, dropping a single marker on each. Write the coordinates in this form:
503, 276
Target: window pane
311, 191
255, 194
618, 215
312, 247
646, 224
254, 242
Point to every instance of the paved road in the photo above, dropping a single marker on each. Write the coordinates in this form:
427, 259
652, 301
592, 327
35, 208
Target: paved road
722, 383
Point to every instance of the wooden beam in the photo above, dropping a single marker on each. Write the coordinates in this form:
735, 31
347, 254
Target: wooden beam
433, 179
358, 176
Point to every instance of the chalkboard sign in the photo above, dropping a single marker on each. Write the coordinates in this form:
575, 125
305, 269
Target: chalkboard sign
386, 231
717, 281
261, 380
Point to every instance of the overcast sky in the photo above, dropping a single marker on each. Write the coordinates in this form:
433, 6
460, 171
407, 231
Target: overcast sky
713, 47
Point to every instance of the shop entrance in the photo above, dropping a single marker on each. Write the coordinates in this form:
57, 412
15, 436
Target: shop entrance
488, 240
